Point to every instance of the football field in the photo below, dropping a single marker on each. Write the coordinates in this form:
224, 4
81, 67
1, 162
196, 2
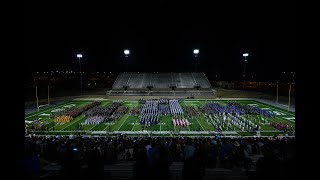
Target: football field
130, 124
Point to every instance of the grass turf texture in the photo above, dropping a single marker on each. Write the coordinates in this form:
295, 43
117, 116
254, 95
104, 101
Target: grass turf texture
131, 123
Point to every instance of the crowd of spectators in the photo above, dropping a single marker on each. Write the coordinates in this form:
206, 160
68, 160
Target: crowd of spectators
153, 155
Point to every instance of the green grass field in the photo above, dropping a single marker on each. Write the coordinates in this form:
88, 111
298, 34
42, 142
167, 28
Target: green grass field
130, 123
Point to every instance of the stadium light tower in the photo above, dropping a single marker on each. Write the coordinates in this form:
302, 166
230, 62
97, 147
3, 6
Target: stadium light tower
126, 55
244, 69
80, 56
195, 54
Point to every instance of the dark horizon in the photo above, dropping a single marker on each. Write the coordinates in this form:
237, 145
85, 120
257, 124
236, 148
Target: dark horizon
165, 41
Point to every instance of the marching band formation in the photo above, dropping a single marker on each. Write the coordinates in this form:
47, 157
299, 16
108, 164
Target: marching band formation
231, 117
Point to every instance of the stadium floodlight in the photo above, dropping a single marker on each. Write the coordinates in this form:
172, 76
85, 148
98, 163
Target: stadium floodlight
244, 69
126, 52
195, 53
80, 56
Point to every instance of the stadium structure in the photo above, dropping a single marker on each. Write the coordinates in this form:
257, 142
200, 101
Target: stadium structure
162, 104
162, 84
155, 107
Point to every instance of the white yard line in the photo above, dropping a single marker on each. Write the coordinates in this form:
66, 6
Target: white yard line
135, 123
105, 105
137, 117
286, 112
123, 122
184, 102
92, 127
56, 107
106, 127
200, 125
72, 123
196, 119
188, 128
208, 120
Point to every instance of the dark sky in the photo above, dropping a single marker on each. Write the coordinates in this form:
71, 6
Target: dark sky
161, 36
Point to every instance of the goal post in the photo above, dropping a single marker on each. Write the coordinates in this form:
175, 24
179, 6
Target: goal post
37, 98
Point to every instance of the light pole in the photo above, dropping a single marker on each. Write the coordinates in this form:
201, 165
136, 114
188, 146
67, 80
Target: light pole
244, 69
37, 98
126, 55
48, 96
80, 56
289, 97
195, 54
277, 93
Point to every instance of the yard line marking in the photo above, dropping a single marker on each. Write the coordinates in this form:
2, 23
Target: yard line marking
286, 113
123, 122
134, 123
72, 123
196, 119
200, 124
55, 107
275, 108
106, 127
188, 128
136, 104
92, 127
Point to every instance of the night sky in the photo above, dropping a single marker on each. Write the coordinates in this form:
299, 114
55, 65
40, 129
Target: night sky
161, 36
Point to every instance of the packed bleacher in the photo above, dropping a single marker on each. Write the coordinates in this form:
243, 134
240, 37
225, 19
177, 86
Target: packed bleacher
271, 157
